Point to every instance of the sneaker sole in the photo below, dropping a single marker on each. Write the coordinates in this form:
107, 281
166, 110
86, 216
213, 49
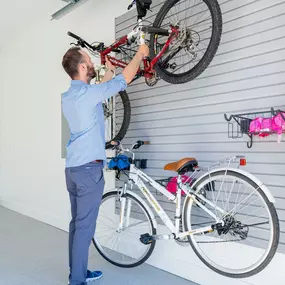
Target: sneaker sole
92, 279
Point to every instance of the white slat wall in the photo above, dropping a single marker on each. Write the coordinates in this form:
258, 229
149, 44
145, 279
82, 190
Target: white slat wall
247, 75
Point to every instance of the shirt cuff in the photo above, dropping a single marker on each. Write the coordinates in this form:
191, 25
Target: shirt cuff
122, 81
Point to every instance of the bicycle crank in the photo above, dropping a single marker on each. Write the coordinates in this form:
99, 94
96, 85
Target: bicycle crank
148, 239
151, 81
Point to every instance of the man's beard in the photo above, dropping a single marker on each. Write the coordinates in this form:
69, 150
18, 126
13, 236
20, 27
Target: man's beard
91, 73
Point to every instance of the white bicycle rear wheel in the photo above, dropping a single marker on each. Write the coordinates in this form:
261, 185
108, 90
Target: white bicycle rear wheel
249, 239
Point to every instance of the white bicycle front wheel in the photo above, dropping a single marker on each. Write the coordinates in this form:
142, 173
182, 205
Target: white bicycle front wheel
247, 239
119, 228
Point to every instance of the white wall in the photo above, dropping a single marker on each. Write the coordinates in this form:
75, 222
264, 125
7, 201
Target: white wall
32, 79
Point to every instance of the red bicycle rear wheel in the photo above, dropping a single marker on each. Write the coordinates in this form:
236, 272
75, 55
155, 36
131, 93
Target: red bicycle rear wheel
200, 30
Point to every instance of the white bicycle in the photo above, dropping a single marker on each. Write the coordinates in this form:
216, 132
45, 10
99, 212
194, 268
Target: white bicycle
228, 217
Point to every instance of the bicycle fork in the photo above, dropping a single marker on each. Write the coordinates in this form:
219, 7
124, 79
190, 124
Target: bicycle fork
125, 207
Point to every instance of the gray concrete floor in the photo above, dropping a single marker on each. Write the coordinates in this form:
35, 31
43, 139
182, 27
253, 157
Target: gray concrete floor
33, 253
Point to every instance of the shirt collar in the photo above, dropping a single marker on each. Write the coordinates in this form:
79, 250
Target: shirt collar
77, 82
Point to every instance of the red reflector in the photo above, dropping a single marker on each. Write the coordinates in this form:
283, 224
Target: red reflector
242, 162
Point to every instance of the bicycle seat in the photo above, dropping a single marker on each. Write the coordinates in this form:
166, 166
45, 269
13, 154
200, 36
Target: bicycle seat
183, 165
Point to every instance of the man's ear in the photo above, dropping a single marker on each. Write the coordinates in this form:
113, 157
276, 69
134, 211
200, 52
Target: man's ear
83, 66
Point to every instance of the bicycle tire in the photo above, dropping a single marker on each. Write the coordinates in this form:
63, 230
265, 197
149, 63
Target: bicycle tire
126, 120
274, 217
216, 14
151, 248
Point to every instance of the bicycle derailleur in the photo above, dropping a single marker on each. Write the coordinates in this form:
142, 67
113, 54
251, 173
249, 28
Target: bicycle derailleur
233, 227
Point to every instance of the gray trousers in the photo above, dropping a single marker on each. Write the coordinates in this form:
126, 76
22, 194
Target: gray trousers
85, 185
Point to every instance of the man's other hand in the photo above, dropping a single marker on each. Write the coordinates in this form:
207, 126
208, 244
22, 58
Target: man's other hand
144, 50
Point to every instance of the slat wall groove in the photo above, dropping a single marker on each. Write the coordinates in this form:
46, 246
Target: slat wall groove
135, 98
246, 75
216, 84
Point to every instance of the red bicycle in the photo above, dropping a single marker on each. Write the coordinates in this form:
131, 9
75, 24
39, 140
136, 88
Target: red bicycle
183, 41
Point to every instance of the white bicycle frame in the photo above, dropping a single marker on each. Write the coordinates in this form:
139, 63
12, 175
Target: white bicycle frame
137, 176
137, 33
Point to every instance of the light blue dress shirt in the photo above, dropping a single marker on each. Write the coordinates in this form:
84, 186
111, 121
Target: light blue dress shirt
82, 108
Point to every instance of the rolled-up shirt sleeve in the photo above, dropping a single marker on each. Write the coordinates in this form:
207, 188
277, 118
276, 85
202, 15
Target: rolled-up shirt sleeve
102, 91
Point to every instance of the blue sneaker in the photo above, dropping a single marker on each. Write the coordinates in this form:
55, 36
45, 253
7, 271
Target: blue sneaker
91, 276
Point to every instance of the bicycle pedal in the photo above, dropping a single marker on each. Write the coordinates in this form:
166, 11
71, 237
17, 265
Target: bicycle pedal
146, 239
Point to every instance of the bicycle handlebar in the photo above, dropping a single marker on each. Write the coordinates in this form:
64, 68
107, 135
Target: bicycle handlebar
137, 145
82, 42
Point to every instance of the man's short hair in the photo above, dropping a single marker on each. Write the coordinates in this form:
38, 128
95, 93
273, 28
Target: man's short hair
72, 58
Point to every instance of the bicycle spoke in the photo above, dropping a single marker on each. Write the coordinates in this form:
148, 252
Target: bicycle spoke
228, 200
113, 222
232, 211
138, 223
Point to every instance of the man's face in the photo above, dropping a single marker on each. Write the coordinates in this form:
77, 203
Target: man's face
89, 65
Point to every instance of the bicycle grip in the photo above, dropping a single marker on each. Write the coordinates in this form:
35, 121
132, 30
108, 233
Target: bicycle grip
146, 142
74, 36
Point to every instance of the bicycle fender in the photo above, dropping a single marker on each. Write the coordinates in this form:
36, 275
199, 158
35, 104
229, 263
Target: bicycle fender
261, 185
146, 206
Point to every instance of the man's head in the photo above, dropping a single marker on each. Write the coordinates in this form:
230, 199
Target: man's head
78, 65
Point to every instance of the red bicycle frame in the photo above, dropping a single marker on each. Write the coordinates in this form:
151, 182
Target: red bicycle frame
148, 70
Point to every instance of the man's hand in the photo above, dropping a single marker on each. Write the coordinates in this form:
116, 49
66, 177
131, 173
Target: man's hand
144, 50
108, 74
109, 65
131, 70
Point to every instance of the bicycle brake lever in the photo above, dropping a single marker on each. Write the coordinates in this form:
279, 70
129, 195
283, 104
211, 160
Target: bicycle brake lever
131, 5
137, 145
74, 44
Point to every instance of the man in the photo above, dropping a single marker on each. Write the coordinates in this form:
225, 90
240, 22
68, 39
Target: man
82, 108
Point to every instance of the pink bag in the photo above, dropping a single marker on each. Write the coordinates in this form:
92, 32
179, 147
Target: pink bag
262, 126
266, 127
255, 125
278, 125
172, 184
